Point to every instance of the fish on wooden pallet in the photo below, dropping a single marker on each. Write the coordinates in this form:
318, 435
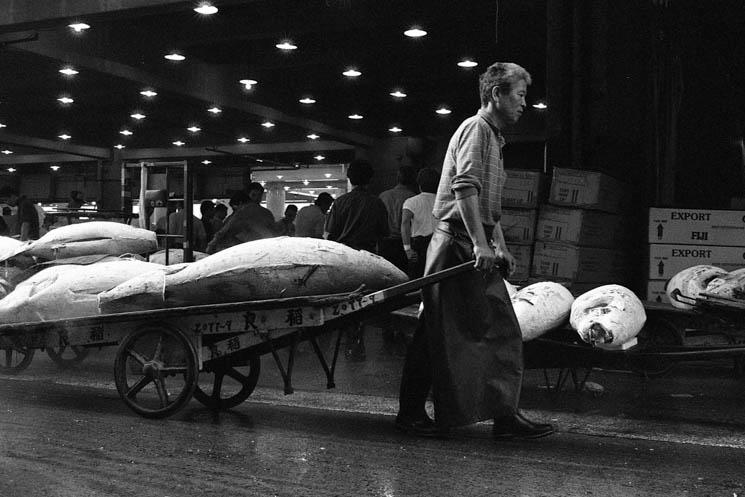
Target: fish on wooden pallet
67, 291
95, 237
270, 268
608, 316
541, 307
685, 287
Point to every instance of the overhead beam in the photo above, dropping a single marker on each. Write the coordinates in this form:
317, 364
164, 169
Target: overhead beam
82, 151
238, 150
18, 159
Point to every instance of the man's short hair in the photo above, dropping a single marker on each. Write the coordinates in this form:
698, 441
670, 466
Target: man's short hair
407, 175
256, 186
428, 180
324, 199
502, 75
238, 198
360, 172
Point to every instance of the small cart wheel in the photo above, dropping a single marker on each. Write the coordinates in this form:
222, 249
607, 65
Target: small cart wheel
67, 356
15, 359
241, 378
156, 370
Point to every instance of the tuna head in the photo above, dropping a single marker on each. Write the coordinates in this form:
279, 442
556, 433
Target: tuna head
599, 334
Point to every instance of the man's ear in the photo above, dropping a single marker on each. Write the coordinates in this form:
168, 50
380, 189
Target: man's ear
495, 94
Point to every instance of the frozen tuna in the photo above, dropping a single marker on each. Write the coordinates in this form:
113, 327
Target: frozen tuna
541, 307
66, 291
608, 316
730, 286
9, 247
95, 237
270, 268
684, 288
175, 256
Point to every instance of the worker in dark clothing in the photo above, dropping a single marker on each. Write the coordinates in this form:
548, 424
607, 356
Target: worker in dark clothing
28, 219
250, 221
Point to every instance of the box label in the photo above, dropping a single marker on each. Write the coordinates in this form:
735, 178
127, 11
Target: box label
696, 226
665, 261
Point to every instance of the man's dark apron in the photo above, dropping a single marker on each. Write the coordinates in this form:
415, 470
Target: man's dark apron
474, 338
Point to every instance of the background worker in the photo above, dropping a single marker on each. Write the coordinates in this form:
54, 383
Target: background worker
250, 221
417, 221
28, 218
391, 247
311, 218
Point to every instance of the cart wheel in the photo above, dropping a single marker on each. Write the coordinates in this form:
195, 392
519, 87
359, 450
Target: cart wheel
15, 359
656, 333
155, 371
241, 381
67, 356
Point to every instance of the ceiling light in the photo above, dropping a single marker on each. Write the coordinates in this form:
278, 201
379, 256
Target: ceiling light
7, 152
306, 182
395, 129
78, 26
279, 176
54, 168
415, 32
65, 100
286, 45
287, 188
397, 94
206, 162
319, 157
3, 125
11, 169
194, 129
206, 9
355, 116
125, 132
313, 136
137, 116
148, 93
268, 124
352, 73
214, 110
328, 175
176, 57
68, 71
248, 83
307, 100
467, 63
443, 111
540, 105
119, 146
260, 160
243, 139
64, 136
179, 143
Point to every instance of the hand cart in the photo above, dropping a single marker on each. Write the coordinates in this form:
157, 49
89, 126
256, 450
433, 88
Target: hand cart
162, 352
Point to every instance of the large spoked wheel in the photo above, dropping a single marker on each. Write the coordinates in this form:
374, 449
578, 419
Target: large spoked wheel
67, 356
15, 359
156, 371
231, 384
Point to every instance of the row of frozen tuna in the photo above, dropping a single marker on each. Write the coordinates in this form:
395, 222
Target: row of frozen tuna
704, 280
103, 279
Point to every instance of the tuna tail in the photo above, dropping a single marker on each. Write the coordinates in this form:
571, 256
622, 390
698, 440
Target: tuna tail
599, 334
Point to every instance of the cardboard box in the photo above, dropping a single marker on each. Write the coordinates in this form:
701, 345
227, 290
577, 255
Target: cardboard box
588, 190
665, 261
523, 188
696, 226
518, 225
523, 255
579, 264
656, 291
580, 227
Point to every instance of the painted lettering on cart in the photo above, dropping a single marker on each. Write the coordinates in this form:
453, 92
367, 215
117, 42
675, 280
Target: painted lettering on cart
294, 317
96, 334
213, 326
249, 322
234, 344
353, 304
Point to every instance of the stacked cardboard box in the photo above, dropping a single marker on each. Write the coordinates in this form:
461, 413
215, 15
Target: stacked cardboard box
523, 191
581, 232
681, 238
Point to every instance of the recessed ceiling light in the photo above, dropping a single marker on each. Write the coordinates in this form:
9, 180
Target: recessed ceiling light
148, 93
78, 26
54, 168
268, 124
125, 132
206, 9
307, 100
119, 146
415, 32
248, 83
7, 152
243, 139
214, 110
443, 111
279, 176
65, 100
313, 136
176, 57
355, 116
395, 129
398, 94
287, 188
352, 73
64, 136
11, 169
179, 143
286, 45
306, 182
467, 63
3, 125
206, 162
260, 160
540, 106
68, 71
329, 187
328, 175
319, 157
137, 116
194, 129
